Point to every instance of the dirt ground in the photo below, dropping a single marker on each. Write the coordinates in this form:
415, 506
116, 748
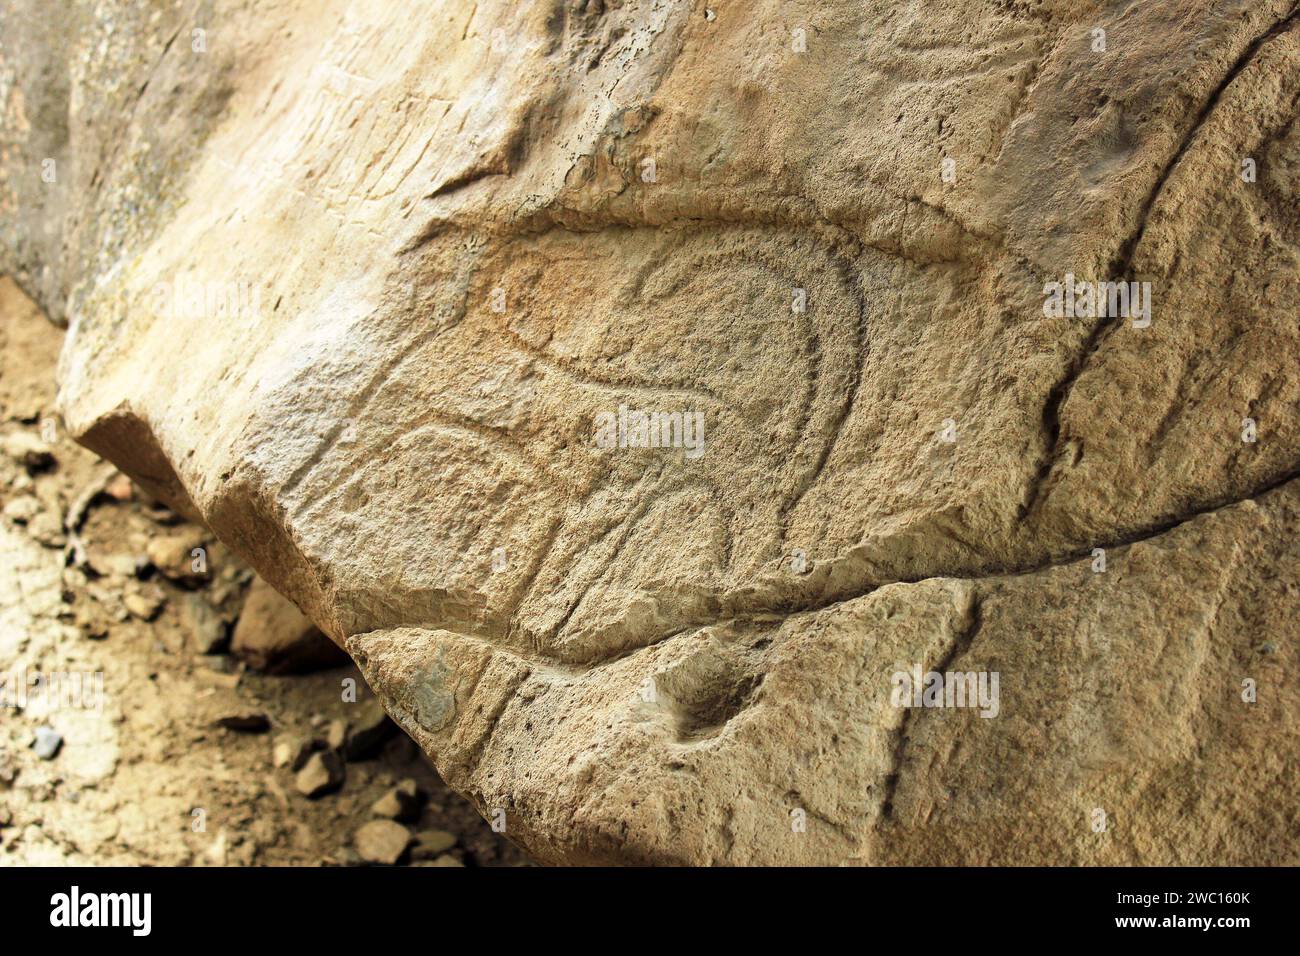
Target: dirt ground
142, 773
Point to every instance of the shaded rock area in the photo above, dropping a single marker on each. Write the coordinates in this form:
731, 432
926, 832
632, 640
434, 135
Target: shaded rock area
388, 301
273, 636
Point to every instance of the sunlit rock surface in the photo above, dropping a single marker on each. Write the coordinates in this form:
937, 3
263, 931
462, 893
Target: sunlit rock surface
367, 288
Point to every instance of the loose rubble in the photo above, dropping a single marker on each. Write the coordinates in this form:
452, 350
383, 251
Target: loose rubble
402, 803
47, 743
100, 578
273, 636
382, 841
322, 773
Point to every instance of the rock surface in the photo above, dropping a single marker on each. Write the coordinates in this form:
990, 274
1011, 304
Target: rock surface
273, 636
359, 292
432, 844
322, 773
401, 803
382, 841
368, 734
47, 743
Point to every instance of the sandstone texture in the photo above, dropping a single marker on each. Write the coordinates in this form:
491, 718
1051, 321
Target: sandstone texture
273, 636
358, 286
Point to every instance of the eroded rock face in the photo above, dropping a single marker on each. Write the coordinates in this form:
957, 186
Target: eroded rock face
367, 291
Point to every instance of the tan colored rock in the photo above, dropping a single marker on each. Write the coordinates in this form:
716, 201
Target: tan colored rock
23, 509
282, 754
401, 802
322, 773
181, 555
432, 844
144, 601
27, 450
293, 752
1120, 691
336, 734
367, 298
272, 635
382, 841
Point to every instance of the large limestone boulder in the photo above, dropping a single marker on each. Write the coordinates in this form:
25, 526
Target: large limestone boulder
371, 290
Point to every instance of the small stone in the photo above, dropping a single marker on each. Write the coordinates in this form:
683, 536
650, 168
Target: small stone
336, 735
447, 860
322, 774
144, 603
115, 565
89, 621
294, 752
120, 488
22, 509
217, 678
48, 742
74, 580
348, 857
207, 631
401, 802
281, 754
219, 594
252, 722
47, 529
382, 841
272, 635
29, 451
219, 663
369, 733
430, 844
173, 555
